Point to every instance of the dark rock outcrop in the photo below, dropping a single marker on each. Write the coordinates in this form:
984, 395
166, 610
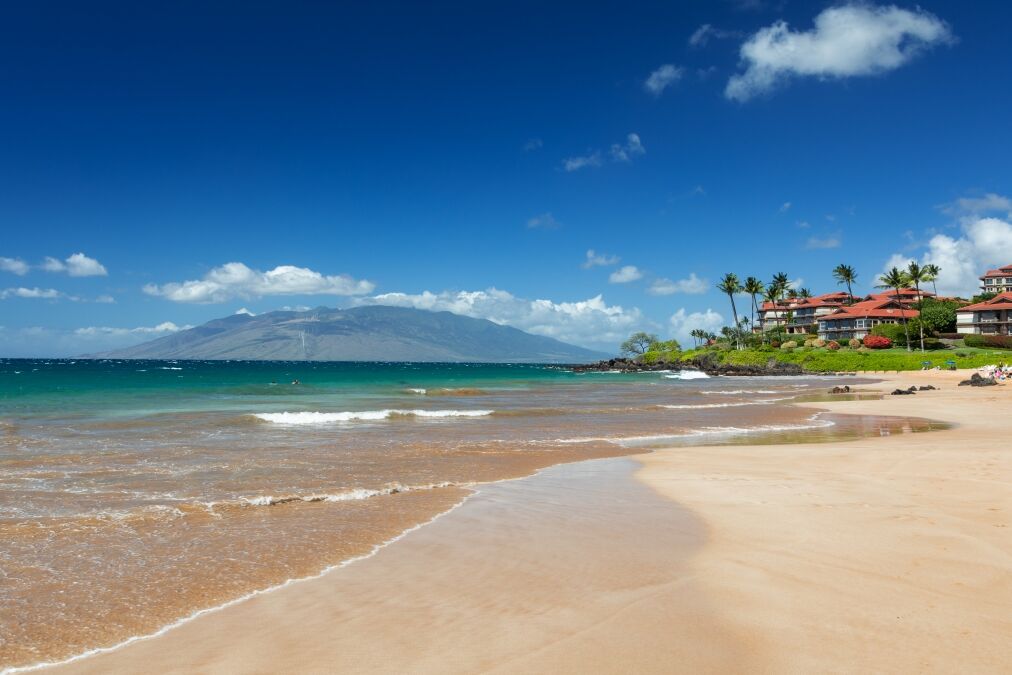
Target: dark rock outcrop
977, 380
840, 390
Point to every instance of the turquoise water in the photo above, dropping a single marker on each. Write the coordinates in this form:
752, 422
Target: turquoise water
67, 387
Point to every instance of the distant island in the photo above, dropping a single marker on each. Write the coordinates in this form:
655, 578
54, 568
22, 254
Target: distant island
374, 333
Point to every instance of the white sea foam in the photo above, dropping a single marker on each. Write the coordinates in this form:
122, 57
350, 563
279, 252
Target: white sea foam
688, 375
169, 368
737, 392
348, 495
737, 404
636, 441
417, 390
306, 417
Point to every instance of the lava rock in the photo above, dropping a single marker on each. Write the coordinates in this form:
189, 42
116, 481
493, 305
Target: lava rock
977, 380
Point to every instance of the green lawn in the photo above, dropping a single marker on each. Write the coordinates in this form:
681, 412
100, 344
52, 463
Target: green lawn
825, 360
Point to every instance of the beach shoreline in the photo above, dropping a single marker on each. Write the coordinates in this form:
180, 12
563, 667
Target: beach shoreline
698, 569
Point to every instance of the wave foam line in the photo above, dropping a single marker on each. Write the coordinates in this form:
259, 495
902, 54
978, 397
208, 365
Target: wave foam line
626, 441
348, 495
701, 406
307, 417
739, 392
688, 375
209, 610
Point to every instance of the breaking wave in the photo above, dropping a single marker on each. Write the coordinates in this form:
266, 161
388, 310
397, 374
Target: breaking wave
688, 375
306, 417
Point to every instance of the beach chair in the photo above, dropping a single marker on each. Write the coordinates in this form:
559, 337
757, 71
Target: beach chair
951, 364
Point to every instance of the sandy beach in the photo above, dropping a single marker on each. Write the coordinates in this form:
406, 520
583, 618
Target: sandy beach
888, 554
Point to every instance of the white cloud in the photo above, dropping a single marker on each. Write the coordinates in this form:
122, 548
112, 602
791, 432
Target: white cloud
586, 322
847, 41
692, 285
974, 206
595, 259
544, 220
985, 243
105, 300
785, 207
683, 323
235, 279
76, 265
582, 161
625, 274
619, 152
164, 327
662, 78
33, 293
702, 35
14, 266
633, 147
829, 241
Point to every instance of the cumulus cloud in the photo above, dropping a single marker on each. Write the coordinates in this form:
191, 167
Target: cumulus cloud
682, 323
586, 322
592, 159
829, 241
236, 280
632, 147
625, 275
76, 265
33, 294
984, 243
545, 221
619, 152
662, 78
702, 35
785, 207
162, 328
595, 259
692, 285
974, 206
14, 266
846, 41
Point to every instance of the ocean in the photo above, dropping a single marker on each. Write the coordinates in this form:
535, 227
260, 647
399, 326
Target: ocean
136, 493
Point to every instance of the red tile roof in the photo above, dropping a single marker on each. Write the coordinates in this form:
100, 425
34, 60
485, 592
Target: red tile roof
1000, 272
875, 309
1000, 301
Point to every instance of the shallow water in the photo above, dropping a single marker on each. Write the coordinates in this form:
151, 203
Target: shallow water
134, 493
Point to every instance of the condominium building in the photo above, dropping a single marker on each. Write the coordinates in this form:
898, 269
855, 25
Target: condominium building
997, 281
857, 320
991, 317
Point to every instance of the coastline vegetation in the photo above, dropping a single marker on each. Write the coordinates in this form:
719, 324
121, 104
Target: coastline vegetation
888, 347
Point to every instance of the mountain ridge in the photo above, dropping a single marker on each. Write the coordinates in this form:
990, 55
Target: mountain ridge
368, 333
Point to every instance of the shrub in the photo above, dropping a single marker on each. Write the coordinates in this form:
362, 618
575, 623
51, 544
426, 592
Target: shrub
790, 344
819, 343
775, 344
809, 342
933, 343
988, 341
832, 345
854, 343
877, 342
951, 336
893, 331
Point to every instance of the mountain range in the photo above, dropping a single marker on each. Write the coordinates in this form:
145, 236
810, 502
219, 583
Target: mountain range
373, 333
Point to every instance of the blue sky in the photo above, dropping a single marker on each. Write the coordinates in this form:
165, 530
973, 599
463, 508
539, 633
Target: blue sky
177, 164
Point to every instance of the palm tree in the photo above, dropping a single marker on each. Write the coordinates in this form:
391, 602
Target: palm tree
915, 275
931, 272
698, 336
845, 274
804, 293
895, 279
730, 285
754, 287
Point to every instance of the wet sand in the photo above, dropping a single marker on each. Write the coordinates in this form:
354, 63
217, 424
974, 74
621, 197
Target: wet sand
887, 554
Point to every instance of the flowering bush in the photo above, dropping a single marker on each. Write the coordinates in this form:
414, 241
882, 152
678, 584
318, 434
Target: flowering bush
809, 343
819, 343
833, 345
854, 343
877, 342
790, 344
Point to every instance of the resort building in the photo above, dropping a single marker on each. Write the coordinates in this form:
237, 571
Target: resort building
997, 281
991, 317
799, 315
857, 320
